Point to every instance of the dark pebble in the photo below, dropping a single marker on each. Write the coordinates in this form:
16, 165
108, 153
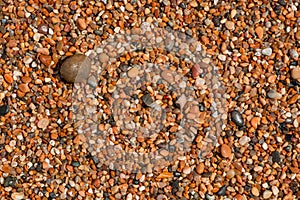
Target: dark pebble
237, 118
147, 100
288, 137
177, 174
136, 182
276, 156
201, 107
209, 197
4, 109
222, 191
216, 21
43, 28
75, 163
9, 181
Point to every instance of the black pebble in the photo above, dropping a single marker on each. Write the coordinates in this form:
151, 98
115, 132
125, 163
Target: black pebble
288, 137
222, 191
4, 109
237, 118
275, 156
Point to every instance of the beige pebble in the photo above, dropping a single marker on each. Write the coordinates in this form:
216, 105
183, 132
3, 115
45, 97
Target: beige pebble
133, 72
229, 25
295, 73
255, 191
17, 195
43, 123
267, 194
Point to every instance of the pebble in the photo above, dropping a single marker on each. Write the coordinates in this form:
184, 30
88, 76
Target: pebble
237, 118
43, 123
272, 94
129, 7
255, 191
4, 109
267, 194
222, 191
294, 54
45, 59
200, 168
267, 51
147, 99
103, 57
24, 88
17, 195
167, 76
9, 181
8, 78
229, 25
222, 57
225, 151
133, 72
295, 73
43, 28
259, 32
196, 70
276, 156
275, 190
244, 140
81, 24
75, 68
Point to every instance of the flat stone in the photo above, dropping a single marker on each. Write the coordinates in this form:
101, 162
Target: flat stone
8, 78
133, 72
294, 54
276, 156
196, 70
225, 151
24, 88
200, 168
147, 100
103, 57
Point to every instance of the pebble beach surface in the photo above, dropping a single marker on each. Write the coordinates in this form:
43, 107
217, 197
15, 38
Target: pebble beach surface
46, 47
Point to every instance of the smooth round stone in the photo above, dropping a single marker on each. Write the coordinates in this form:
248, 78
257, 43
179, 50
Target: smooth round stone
295, 73
237, 118
4, 109
76, 68
222, 191
267, 51
272, 94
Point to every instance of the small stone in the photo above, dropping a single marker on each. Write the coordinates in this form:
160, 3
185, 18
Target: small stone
222, 191
276, 156
92, 81
27, 60
295, 73
43, 51
272, 94
133, 72
237, 118
81, 23
244, 140
9, 181
229, 25
75, 163
275, 190
76, 68
8, 78
45, 59
200, 168
103, 57
167, 76
294, 54
267, 194
129, 7
222, 57
43, 123
12, 44
17, 196
267, 51
259, 32
24, 88
255, 191
43, 28
147, 100
4, 109
186, 170
225, 151
196, 70
230, 174
254, 122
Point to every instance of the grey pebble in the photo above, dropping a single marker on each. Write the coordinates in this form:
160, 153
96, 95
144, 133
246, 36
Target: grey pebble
237, 118
267, 51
